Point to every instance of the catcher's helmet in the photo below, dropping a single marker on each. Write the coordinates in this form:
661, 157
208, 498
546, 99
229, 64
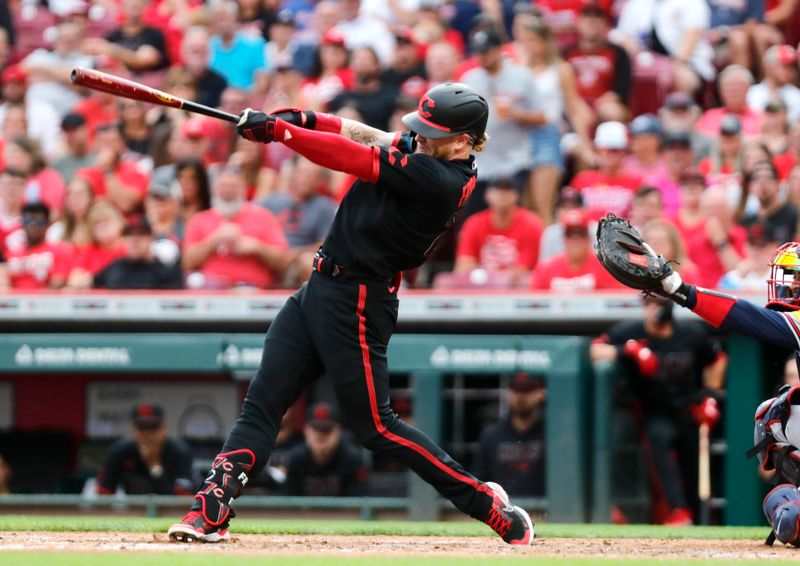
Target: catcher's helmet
783, 285
448, 110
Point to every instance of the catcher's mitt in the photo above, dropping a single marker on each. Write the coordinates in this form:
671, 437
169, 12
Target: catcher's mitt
626, 256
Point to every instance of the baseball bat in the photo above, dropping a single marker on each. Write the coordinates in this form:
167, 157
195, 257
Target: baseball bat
125, 88
704, 473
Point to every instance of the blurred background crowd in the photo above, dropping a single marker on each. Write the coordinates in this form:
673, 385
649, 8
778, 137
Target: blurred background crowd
682, 115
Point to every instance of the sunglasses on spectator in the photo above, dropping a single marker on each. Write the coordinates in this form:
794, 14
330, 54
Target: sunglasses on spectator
34, 222
575, 234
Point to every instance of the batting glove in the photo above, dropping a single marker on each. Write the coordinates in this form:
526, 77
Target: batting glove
296, 117
256, 126
706, 412
645, 359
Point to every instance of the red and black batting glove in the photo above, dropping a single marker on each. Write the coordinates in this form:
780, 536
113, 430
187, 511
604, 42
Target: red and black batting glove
642, 356
256, 126
295, 117
706, 412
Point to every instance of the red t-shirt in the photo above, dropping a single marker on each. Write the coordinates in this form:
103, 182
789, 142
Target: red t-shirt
94, 258
784, 163
225, 269
12, 237
594, 71
562, 15
703, 254
604, 193
496, 249
709, 122
96, 111
555, 274
128, 173
33, 268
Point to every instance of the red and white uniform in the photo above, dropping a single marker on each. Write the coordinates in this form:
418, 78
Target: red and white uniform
224, 267
603, 193
33, 268
501, 248
555, 274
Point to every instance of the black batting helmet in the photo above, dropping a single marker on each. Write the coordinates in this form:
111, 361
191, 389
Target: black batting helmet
448, 110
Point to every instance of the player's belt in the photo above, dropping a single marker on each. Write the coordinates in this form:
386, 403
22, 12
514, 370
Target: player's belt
325, 265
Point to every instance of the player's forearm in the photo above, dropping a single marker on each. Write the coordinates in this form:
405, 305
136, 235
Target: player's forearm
366, 135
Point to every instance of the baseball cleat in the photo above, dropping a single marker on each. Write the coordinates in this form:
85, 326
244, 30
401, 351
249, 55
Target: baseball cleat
512, 523
194, 528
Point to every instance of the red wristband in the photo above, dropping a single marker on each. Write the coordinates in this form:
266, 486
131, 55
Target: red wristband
327, 123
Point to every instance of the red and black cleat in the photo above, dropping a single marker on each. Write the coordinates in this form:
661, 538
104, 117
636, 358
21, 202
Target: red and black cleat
512, 523
194, 528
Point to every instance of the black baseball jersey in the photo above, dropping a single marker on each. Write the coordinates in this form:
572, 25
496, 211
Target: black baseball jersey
124, 467
345, 474
514, 459
391, 224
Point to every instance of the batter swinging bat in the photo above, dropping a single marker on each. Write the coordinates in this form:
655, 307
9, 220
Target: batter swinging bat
125, 88
704, 473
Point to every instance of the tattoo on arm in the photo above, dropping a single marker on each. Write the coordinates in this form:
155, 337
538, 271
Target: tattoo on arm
366, 135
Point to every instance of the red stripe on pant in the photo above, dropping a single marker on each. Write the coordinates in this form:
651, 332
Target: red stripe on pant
373, 403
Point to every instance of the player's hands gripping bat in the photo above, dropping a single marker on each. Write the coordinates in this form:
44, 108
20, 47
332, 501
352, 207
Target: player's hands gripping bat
256, 126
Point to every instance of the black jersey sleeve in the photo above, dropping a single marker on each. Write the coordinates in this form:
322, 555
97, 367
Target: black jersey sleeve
416, 176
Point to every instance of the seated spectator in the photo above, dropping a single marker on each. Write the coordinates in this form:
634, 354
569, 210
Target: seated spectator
149, 461
673, 365
305, 215
734, 27
780, 75
12, 199
43, 184
5, 477
785, 162
251, 159
512, 451
41, 118
602, 68
234, 243
609, 188
750, 273
137, 132
441, 61
332, 76
778, 216
73, 226
139, 269
734, 83
328, 463
689, 218
406, 61
161, 210
647, 205
39, 264
724, 167
133, 44
192, 181
237, 56
195, 52
674, 31
577, 268
679, 114
552, 241
646, 159
105, 226
361, 29
775, 128
665, 239
716, 245
76, 153
505, 237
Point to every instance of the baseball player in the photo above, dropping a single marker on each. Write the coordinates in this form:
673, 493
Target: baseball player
777, 432
340, 322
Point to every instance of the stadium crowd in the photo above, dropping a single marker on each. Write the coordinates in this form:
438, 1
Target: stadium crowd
682, 115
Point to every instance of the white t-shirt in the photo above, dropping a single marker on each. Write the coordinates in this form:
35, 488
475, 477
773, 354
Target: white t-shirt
370, 32
44, 124
759, 95
60, 96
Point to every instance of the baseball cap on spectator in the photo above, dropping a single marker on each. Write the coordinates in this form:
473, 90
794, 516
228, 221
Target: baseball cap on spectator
759, 235
781, 54
137, 226
611, 135
163, 191
730, 125
676, 138
524, 382
193, 128
575, 222
501, 183
285, 17
591, 8
333, 37
485, 40
678, 101
147, 416
14, 74
776, 105
569, 196
692, 174
646, 124
72, 121
405, 35
322, 416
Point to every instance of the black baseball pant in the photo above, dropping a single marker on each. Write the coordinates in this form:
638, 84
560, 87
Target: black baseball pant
341, 327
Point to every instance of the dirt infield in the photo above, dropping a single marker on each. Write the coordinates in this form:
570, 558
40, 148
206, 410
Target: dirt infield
399, 546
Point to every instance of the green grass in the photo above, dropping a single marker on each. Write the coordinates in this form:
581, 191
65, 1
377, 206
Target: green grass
403, 528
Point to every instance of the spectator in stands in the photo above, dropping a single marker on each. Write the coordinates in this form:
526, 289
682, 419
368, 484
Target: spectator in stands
778, 216
137, 133
673, 366
665, 239
41, 118
73, 226
133, 44
161, 210
149, 461
5, 477
331, 76
514, 108
679, 114
234, 243
503, 238
281, 39
780, 76
238, 57
750, 273
105, 225
328, 463
441, 61
609, 188
512, 451
647, 205
49, 70
646, 159
139, 268
602, 69
775, 129
195, 51
734, 27
12, 199
114, 176
734, 83
39, 264
406, 60
360, 29
259, 178
373, 99
577, 268
43, 184
195, 195
76, 153
552, 243
305, 215
791, 157
672, 32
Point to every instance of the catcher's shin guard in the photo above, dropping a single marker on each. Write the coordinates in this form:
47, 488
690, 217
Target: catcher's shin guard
211, 512
782, 509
